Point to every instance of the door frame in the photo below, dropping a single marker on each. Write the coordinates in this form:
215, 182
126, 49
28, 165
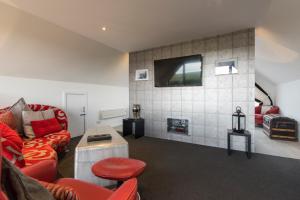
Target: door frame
66, 93
64, 99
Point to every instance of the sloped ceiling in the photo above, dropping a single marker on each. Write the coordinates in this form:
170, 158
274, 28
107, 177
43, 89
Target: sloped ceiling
278, 42
141, 24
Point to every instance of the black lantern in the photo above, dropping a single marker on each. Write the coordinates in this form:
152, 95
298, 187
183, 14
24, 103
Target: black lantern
238, 120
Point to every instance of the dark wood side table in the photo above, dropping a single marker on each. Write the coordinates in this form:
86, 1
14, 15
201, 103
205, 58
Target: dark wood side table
246, 134
134, 127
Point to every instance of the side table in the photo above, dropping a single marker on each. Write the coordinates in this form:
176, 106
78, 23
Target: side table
246, 134
134, 127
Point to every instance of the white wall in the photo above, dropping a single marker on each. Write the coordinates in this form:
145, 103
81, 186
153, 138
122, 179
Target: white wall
100, 97
267, 85
288, 99
39, 61
34, 48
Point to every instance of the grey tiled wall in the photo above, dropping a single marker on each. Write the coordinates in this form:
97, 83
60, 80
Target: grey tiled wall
209, 107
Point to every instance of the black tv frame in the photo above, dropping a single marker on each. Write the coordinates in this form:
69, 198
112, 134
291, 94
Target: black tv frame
189, 85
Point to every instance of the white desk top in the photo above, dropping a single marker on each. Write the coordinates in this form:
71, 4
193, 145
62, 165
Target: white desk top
104, 129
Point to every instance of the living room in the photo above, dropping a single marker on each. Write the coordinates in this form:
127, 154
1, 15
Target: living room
172, 96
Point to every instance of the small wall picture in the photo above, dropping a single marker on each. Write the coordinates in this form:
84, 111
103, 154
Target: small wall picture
142, 75
226, 66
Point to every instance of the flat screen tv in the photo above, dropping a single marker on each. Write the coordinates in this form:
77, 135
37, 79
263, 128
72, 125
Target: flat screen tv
178, 72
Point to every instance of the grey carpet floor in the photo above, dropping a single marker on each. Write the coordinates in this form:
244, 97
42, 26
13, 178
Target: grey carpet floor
181, 171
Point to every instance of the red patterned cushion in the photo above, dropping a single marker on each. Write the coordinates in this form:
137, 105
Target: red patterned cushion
60, 192
57, 141
62, 139
45, 127
12, 145
33, 155
60, 115
8, 119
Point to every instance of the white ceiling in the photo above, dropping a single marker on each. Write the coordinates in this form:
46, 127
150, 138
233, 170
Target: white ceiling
141, 24
278, 42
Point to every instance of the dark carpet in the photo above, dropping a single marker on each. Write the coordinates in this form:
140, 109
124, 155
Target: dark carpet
181, 171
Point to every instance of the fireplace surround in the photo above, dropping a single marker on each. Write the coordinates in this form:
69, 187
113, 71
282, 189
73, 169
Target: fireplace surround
179, 126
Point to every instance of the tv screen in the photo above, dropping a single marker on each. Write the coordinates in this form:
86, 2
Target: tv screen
177, 72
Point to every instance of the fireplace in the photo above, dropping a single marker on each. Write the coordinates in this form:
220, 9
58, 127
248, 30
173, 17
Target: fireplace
179, 126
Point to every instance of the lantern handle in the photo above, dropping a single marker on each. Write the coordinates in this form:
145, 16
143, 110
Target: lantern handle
238, 109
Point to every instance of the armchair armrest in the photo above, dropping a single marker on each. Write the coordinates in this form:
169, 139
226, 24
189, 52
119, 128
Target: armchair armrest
43, 171
128, 191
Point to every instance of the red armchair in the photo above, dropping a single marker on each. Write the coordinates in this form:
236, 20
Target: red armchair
38, 171
84, 190
259, 113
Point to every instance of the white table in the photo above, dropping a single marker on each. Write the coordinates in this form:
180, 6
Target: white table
87, 153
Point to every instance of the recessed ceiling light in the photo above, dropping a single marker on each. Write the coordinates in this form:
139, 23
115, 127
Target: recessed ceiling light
103, 28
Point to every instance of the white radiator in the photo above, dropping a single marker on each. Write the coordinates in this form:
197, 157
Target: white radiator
109, 114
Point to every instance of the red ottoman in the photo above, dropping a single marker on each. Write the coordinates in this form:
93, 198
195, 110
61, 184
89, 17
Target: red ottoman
119, 169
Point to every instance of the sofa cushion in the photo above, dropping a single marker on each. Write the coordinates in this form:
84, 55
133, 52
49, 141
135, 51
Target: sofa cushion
45, 127
8, 119
273, 110
34, 155
57, 141
29, 116
61, 138
60, 115
48, 114
17, 109
12, 145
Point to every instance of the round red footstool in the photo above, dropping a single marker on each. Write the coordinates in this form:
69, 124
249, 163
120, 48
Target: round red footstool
119, 169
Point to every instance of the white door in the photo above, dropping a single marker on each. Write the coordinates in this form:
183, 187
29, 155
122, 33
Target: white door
76, 108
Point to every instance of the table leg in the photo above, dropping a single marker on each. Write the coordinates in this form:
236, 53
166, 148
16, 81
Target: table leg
228, 145
249, 147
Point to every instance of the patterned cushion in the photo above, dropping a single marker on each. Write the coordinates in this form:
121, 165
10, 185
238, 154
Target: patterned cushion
48, 114
57, 141
60, 115
8, 119
33, 155
12, 145
60, 192
29, 116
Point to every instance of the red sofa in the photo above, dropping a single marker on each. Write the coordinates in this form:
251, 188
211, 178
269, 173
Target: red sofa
84, 190
46, 147
259, 113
